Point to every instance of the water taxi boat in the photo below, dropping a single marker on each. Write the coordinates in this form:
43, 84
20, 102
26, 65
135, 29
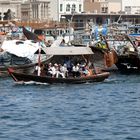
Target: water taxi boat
76, 54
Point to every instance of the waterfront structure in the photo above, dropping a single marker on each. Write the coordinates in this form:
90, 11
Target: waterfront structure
51, 10
82, 20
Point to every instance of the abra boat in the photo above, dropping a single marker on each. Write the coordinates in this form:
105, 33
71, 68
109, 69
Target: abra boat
60, 54
24, 77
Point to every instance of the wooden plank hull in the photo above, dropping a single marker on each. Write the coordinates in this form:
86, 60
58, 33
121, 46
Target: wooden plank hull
22, 68
45, 79
26, 67
128, 64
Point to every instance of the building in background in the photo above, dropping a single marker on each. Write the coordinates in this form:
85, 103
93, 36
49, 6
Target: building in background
102, 6
131, 6
40, 10
114, 6
26, 11
53, 9
70, 6
13, 5
91, 6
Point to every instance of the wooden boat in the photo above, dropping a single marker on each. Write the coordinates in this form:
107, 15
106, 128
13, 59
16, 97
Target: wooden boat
59, 54
30, 35
28, 67
12, 54
134, 30
127, 53
24, 77
128, 63
103, 56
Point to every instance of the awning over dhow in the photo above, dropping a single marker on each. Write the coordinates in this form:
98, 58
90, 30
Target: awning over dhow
70, 50
21, 48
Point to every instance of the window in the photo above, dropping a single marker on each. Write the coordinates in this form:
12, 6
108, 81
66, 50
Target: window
68, 7
104, 9
73, 8
80, 7
61, 7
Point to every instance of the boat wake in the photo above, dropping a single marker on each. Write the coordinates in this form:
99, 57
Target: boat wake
30, 83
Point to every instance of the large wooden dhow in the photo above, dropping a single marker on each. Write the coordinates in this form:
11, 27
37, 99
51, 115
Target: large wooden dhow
19, 54
128, 54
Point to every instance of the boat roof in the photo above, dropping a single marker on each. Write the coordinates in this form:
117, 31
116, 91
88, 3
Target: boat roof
68, 50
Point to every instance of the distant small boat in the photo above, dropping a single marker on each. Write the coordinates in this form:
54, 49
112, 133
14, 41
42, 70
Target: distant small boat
134, 30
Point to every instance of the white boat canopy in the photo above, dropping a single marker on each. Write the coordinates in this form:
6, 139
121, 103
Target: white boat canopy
69, 50
21, 48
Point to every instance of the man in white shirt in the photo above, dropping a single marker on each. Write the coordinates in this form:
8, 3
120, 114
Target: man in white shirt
51, 70
63, 71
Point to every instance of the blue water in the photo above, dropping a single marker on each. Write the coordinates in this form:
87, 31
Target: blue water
97, 111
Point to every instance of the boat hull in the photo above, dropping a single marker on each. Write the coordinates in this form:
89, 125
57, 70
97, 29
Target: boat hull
128, 64
18, 77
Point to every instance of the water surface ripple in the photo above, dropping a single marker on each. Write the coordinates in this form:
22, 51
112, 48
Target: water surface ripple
94, 111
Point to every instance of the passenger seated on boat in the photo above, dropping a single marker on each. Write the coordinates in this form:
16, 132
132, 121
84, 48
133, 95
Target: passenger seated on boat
47, 69
42, 68
69, 65
51, 70
63, 70
57, 72
85, 71
76, 70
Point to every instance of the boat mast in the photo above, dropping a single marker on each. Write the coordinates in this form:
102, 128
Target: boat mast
39, 60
